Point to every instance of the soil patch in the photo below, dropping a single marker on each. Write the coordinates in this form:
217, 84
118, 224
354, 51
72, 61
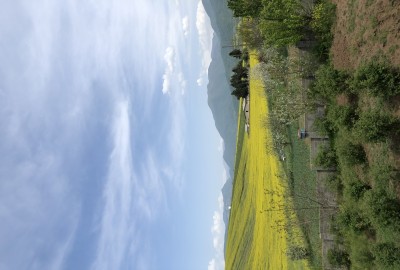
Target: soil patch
365, 29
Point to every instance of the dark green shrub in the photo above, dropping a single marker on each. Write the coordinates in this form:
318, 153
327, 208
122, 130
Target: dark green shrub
323, 16
362, 257
342, 116
338, 258
351, 219
373, 126
326, 158
325, 127
383, 209
297, 253
379, 79
387, 255
329, 82
351, 154
356, 190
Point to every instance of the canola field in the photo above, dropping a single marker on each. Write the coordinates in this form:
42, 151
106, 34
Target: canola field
256, 235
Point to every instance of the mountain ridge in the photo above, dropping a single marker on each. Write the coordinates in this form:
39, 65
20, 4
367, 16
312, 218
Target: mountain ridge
223, 105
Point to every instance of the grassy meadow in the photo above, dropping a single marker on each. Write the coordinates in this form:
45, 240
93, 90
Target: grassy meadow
258, 232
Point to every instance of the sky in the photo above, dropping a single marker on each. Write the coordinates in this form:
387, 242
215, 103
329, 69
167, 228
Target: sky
110, 156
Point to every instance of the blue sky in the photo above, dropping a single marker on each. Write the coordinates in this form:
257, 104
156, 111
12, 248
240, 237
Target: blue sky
110, 157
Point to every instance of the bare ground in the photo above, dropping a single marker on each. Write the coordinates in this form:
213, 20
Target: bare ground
366, 29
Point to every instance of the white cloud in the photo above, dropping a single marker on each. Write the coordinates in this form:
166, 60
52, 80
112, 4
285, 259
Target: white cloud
185, 25
173, 77
115, 226
205, 33
134, 195
169, 58
211, 265
218, 232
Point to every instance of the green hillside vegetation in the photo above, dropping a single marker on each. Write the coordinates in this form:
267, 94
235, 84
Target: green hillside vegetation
361, 120
364, 131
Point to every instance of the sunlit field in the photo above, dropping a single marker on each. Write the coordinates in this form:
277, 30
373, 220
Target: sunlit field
257, 232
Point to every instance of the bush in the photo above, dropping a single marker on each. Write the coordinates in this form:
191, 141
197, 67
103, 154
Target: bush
323, 16
351, 154
356, 190
342, 116
324, 126
297, 253
387, 255
383, 209
379, 79
338, 258
326, 158
352, 220
361, 256
329, 82
373, 126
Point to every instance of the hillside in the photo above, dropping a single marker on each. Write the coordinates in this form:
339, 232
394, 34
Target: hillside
223, 105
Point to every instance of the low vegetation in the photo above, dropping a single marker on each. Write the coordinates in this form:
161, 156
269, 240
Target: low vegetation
363, 132
260, 233
361, 119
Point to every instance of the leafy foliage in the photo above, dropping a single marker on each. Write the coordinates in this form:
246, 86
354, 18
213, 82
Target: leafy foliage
342, 116
297, 253
329, 82
283, 22
374, 126
379, 79
387, 255
239, 80
338, 258
326, 157
384, 210
356, 190
352, 219
249, 32
323, 16
352, 154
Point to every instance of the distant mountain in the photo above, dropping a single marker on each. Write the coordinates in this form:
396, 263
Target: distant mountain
223, 105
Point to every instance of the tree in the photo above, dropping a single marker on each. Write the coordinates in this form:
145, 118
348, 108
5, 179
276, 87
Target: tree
239, 81
249, 32
374, 126
236, 53
245, 8
284, 22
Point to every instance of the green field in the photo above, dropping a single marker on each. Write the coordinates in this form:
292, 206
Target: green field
258, 231
302, 188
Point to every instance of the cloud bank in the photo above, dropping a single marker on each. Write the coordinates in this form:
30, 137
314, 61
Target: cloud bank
205, 34
82, 176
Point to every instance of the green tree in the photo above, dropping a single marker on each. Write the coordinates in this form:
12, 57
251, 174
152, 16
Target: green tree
245, 8
379, 79
249, 32
284, 22
374, 126
236, 53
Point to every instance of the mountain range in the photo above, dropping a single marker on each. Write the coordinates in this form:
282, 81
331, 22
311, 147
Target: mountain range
223, 105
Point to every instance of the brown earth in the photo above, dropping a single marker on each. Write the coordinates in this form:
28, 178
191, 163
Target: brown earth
366, 29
